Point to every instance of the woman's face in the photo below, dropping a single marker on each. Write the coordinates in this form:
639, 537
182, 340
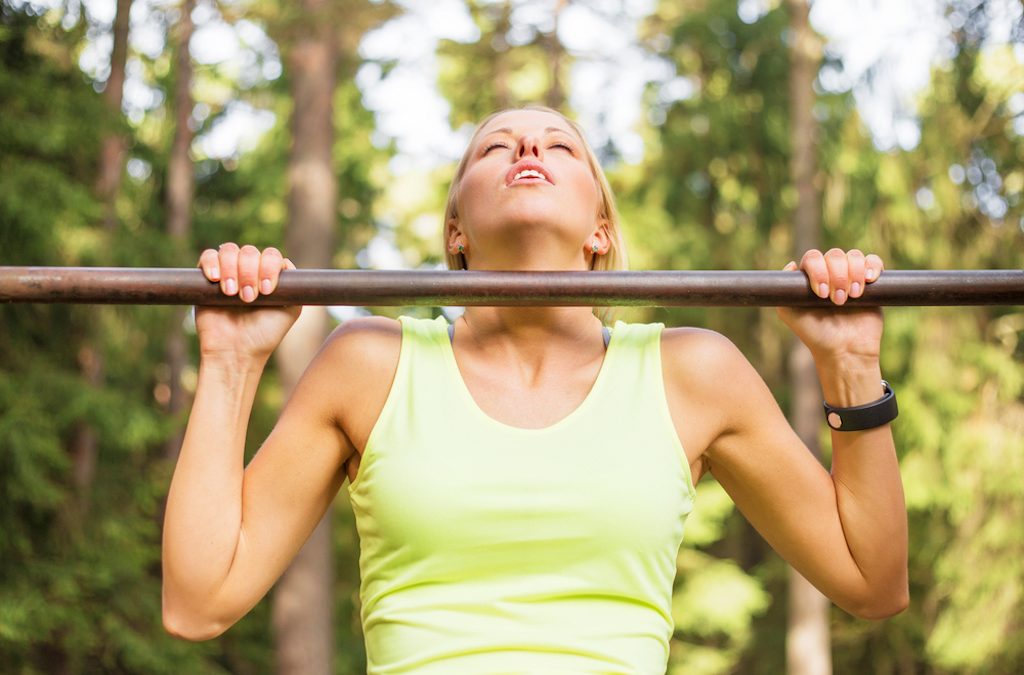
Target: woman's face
527, 189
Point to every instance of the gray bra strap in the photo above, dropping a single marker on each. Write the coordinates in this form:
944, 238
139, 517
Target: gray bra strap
605, 332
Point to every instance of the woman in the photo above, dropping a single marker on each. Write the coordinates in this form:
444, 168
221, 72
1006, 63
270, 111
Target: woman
521, 479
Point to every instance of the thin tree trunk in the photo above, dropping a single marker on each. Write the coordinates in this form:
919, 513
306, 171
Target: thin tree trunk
555, 97
180, 189
808, 642
84, 442
302, 608
112, 148
502, 90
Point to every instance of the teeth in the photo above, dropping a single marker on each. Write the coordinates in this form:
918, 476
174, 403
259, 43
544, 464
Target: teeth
529, 173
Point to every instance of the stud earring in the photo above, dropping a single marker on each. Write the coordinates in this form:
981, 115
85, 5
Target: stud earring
462, 249
594, 247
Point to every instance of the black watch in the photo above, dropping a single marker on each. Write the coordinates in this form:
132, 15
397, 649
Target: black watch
867, 416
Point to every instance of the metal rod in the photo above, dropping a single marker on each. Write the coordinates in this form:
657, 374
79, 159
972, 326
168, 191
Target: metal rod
187, 286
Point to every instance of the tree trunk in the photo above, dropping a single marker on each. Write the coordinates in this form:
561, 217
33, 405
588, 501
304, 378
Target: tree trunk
502, 90
808, 645
302, 604
555, 97
108, 182
84, 442
179, 192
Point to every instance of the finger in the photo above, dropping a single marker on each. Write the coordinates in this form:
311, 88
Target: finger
874, 267
288, 264
228, 254
271, 263
248, 272
838, 275
790, 266
855, 259
209, 264
813, 265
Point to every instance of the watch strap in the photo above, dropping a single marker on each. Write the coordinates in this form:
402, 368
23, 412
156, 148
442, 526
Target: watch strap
867, 416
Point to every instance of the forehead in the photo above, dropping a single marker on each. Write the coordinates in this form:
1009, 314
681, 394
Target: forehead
527, 121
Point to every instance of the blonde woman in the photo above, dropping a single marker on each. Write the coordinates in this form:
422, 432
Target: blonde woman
521, 478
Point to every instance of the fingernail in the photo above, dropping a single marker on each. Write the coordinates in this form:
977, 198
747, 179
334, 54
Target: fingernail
855, 289
248, 293
265, 287
230, 287
215, 273
822, 290
870, 274
840, 296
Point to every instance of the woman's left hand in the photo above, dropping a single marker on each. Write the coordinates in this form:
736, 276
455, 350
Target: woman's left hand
838, 275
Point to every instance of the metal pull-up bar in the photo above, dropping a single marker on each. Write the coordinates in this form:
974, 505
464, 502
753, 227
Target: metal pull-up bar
188, 286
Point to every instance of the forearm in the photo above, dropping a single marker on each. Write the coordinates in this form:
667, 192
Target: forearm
865, 470
203, 519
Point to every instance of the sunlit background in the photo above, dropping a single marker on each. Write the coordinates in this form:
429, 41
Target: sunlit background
918, 116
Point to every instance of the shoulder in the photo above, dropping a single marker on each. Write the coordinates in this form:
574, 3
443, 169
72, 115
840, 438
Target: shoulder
706, 368
355, 368
697, 352
367, 342
365, 331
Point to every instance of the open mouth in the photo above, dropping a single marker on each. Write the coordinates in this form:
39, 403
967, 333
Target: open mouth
528, 172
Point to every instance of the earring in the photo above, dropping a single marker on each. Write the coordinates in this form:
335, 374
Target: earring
462, 249
594, 247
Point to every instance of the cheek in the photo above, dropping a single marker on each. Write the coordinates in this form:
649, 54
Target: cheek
471, 190
588, 191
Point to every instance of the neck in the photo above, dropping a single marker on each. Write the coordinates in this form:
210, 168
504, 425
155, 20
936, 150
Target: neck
530, 329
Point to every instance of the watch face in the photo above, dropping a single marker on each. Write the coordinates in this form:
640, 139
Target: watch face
834, 420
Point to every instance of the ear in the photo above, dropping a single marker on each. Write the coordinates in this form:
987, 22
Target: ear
455, 236
601, 237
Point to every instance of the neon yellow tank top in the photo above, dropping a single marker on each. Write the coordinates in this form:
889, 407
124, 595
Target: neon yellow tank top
487, 548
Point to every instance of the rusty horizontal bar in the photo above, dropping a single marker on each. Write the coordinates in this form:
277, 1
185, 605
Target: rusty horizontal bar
187, 286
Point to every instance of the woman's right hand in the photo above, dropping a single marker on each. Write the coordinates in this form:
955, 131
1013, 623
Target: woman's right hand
241, 332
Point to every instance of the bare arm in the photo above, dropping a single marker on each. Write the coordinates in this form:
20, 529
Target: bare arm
845, 531
231, 530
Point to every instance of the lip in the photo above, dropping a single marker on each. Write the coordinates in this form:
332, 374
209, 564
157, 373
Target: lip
523, 165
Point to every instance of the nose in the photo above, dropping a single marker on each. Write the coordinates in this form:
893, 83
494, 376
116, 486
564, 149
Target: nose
529, 145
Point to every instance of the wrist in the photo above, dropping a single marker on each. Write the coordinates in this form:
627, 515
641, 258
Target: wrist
233, 361
849, 381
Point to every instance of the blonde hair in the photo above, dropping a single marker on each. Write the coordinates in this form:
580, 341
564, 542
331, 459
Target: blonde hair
614, 259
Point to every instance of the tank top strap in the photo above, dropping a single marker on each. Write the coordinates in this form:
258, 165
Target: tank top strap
634, 357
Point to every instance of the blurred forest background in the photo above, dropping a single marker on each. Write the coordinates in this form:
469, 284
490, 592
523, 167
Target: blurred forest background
284, 124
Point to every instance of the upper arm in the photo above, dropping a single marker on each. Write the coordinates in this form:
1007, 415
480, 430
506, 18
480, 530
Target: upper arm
297, 472
771, 475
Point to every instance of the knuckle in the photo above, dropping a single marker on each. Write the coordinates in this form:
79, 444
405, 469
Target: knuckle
228, 246
833, 253
249, 249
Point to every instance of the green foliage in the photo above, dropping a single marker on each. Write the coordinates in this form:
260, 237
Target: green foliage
79, 561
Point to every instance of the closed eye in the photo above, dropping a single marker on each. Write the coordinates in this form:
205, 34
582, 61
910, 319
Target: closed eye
494, 145
564, 146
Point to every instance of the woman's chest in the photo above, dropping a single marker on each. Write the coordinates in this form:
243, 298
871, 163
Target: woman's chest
529, 401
